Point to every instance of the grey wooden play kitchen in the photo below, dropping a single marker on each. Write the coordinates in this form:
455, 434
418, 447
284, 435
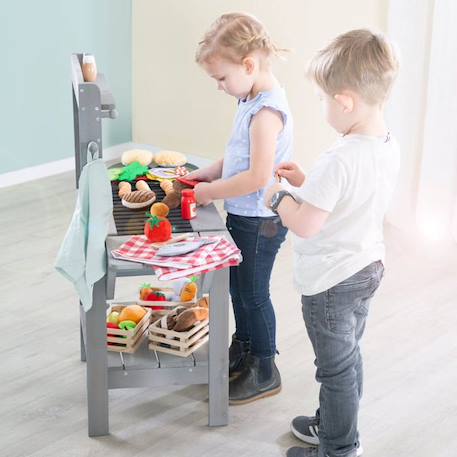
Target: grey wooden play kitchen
111, 370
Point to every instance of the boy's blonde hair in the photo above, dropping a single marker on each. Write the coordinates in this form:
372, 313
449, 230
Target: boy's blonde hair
233, 36
359, 60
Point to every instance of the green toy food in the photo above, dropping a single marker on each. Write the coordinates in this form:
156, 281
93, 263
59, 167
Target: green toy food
127, 325
133, 171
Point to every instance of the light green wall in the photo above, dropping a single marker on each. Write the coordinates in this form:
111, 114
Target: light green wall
36, 41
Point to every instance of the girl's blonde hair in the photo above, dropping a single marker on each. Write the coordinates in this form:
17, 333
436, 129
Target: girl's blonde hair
359, 60
233, 36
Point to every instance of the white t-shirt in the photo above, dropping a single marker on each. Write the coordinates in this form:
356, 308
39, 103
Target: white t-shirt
354, 181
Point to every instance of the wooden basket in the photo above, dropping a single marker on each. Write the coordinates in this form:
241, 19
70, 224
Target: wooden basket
181, 344
120, 340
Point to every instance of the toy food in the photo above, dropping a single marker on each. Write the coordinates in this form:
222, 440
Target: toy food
138, 199
173, 193
142, 185
189, 292
159, 209
131, 313
113, 318
124, 188
114, 173
127, 325
167, 186
170, 159
181, 171
133, 171
142, 156
203, 302
185, 318
157, 228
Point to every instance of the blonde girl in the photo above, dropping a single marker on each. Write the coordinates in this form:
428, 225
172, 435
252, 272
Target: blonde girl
237, 52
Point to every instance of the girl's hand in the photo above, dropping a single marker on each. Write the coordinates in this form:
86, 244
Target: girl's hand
292, 172
197, 175
276, 187
203, 194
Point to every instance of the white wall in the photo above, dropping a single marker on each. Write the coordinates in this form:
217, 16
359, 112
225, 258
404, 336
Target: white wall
176, 106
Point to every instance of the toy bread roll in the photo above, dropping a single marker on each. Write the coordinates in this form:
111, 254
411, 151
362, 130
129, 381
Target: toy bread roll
143, 156
138, 199
124, 188
159, 209
170, 159
142, 185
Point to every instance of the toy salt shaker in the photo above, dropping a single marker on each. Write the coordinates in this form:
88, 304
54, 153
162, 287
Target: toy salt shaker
89, 68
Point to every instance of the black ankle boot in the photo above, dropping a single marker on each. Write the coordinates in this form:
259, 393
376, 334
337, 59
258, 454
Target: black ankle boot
259, 379
238, 352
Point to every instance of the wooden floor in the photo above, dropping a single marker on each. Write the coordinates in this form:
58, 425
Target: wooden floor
410, 346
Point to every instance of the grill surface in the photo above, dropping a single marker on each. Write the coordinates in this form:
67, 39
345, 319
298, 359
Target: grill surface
131, 222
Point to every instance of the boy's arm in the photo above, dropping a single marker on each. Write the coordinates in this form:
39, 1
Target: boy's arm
304, 219
265, 128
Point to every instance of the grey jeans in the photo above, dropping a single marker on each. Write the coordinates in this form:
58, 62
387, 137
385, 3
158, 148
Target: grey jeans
335, 321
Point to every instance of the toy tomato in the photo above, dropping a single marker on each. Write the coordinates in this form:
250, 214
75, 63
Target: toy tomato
157, 228
156, 296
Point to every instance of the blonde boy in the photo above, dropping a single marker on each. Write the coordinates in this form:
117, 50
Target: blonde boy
337, 218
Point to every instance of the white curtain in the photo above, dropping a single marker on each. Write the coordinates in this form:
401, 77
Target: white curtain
423, 115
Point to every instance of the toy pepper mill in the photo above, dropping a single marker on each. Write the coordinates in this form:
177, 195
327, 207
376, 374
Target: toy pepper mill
188, 204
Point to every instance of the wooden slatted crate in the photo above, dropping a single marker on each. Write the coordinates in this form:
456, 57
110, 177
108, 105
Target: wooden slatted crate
181, 344
120, 340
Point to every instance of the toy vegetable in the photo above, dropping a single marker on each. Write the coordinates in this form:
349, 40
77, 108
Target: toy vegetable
157, 229
189, 291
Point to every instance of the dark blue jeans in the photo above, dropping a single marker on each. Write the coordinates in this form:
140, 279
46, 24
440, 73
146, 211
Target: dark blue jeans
259, 239
335, 321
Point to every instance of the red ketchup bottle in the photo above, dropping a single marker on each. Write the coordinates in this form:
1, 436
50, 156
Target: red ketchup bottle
188, 204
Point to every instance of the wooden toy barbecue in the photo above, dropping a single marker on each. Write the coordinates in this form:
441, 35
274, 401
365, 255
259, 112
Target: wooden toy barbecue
93, 102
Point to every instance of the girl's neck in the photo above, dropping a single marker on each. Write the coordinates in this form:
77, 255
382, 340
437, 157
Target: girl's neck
264, 82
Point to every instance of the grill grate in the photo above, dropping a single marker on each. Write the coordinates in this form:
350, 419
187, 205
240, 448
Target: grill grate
131, 222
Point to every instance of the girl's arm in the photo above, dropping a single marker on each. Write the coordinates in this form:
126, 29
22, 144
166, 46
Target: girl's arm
264, 130
209, 173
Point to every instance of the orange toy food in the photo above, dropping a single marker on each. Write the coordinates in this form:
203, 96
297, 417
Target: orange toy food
160, 209
132, 313
189, 291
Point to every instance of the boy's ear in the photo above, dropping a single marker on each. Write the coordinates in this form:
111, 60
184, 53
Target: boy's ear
249, 64
346, 101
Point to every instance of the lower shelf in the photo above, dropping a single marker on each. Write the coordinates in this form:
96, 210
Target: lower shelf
146, 368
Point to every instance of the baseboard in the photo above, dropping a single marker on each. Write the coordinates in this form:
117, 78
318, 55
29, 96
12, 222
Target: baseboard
54, 168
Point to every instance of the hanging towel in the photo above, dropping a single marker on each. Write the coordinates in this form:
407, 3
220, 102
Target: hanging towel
82, 255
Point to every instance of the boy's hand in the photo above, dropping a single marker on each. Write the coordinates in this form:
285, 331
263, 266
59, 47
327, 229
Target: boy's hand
276, 187
292, 172
203, 194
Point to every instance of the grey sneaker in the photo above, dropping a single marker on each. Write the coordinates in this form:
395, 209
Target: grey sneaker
306, 429
302, 452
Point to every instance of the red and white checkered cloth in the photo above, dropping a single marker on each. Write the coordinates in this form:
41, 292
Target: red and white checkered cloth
210, 257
